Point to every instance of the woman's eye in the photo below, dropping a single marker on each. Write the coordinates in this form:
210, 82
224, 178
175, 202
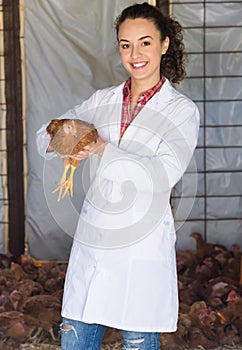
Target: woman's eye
125, 46
145, 43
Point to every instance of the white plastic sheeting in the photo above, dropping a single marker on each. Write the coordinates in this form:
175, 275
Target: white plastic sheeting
70, 52
213, 39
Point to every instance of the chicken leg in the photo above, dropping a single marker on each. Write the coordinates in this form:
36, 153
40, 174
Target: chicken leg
66, 182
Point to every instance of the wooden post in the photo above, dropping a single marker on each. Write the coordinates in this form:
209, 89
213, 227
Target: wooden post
240, 269
13, 92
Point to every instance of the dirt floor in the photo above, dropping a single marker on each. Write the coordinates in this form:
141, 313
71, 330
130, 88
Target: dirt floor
31, 296
117, 346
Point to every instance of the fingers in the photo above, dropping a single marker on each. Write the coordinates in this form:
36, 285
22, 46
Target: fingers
90, 149
80, 155
96, 147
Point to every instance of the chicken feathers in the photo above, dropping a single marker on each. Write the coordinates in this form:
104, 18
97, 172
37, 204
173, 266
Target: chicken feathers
69, 137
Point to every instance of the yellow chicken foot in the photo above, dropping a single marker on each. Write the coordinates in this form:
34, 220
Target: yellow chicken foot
68, 184
62, 181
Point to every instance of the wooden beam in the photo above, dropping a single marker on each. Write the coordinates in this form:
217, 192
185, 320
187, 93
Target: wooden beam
14, 126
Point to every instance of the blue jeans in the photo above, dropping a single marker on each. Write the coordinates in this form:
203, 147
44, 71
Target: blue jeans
76, 335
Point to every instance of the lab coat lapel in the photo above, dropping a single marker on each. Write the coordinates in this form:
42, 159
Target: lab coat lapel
114, 109
149, 120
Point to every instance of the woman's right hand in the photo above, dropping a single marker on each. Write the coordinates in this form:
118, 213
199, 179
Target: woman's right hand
92, 148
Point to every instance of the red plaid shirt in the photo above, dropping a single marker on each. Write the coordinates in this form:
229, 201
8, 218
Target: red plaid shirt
128, 114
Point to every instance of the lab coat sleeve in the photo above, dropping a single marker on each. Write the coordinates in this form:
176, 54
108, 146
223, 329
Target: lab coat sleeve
164, 167
83, 111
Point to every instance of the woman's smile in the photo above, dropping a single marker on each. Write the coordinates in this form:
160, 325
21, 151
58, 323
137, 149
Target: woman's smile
138, 65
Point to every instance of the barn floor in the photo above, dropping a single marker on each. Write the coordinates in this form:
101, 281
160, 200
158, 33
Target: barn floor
31, 295
116, 346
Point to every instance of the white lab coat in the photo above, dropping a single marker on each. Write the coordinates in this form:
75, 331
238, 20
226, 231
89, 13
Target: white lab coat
122, 267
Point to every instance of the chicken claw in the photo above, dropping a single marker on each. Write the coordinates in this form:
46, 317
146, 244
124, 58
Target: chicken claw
66, 184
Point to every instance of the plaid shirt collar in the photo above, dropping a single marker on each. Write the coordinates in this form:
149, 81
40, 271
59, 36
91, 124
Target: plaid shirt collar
145, 96
128, 114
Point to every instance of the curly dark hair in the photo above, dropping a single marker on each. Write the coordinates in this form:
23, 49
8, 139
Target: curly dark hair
173, 62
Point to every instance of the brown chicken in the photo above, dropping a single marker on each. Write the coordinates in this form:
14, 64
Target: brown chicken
229, 328
227, 335
28, 287
69, 137
12, 325
204, 249
233, 310
199, 339
7, 280
5, 260
112, 335
18, 271
29, 267
44, 311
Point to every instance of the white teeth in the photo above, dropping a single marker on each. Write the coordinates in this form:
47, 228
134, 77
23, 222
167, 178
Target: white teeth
138, 65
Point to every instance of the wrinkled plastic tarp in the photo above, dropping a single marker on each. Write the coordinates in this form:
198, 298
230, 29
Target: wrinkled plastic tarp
71, 51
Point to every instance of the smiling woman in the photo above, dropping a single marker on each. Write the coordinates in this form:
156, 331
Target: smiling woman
122, 267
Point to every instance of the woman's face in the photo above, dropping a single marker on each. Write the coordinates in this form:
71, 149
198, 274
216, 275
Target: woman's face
141, 49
